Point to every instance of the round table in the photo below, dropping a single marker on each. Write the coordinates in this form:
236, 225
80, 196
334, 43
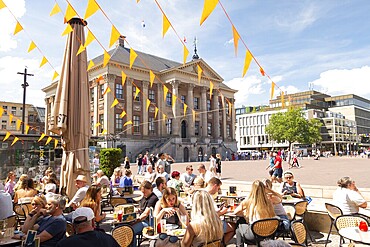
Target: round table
354, 234
10, 242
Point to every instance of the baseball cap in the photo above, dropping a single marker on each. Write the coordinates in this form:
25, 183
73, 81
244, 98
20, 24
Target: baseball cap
80, 214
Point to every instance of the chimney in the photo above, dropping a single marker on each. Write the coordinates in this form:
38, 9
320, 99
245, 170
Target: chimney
121, 41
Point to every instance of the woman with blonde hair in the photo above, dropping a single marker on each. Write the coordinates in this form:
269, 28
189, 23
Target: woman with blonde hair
116, 177
93, 201
256, 207
10, 183
26, 192
20, 180
38, 204
205, 226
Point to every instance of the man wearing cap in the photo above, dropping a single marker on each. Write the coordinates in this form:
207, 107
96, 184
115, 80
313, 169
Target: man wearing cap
81, 184
188, 177
83, 224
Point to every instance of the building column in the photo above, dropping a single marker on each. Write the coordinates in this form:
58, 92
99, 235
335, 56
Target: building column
175, 110
190, 103
216, 115
145, 112
128, 105
96, 109
233, 118
203, 108
160, 103
109, 116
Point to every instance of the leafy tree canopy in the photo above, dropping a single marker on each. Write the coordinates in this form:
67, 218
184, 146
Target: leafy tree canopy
292, 126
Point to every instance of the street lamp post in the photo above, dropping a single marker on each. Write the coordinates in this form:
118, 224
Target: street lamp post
24, 85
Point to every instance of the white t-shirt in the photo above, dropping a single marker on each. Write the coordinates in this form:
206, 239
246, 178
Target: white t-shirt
347, 200
207, 176
80, 194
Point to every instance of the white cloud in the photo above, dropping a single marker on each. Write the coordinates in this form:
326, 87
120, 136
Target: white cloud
344, 81
8, 41
251, 85
289, 89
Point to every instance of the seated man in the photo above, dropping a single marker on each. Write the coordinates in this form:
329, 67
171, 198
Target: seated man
83, 224
161, 173
148, 201
160, 186
188, 177
52, 227
81, 184
150, 174
204, 173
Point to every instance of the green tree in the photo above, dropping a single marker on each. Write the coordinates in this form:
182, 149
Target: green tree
109, 160
292, 126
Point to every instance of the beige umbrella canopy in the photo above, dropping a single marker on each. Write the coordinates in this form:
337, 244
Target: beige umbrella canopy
70, 116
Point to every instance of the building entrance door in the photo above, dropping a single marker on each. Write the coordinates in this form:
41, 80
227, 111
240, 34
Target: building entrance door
183, 129
186, 155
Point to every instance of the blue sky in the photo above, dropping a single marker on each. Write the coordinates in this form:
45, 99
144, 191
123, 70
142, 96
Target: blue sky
322, 43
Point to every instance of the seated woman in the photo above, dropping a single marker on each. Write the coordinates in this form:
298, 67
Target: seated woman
126, 180
291, 187
348, 197
38, 204
26, 192
256, 207
175, 182
276, 200
206, 226
93, 200
116, 177
170, 208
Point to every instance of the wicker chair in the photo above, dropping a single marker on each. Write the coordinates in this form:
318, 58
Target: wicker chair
344, 221
11, 221
299, 233
265, 229
333, 212
22, 210
116, 201
300, 211
216, 243
124, 235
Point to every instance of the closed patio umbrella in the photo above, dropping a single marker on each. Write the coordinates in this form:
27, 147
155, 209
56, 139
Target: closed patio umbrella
70, 116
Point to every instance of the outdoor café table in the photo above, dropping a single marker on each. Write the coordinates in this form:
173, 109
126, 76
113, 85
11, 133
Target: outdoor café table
236, 198
354, 234
10, 242
128, 196
291, 201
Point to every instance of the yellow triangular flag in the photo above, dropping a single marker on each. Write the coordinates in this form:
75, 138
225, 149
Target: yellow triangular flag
165, 91
27, 129
127, 123
151, 78
247, 62
222, 100
32, 46
199, 73
1, 109
41, 137
122, 114
55, 75
208, 7
236, 40
55, 143
272, 90
56, 9
193, 111
48, 140
147, 104
81, 49
70, 13
114, 36
106, 58
43, 62
90, 38
185, 108
91, 64
104, 132
2, 4
230, 107
115, 102
137, 91
97, 125
210, 89
156, 112
186, 53
124, 76
91, 8
6, 136
137, 1
166, 25
174, 98
68, 30
133, 56
14, 141
282, 100
18, 126
18, 28
11, 118
107, 90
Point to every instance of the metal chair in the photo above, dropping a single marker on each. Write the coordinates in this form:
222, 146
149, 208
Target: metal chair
264, 229
300, 211
299, 233
124, 235
22, 210
333, 212
344, 221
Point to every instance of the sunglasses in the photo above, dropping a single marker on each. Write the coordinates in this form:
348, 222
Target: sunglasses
172, 239
290, 177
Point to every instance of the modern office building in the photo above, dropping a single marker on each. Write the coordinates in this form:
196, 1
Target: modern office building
181, 134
